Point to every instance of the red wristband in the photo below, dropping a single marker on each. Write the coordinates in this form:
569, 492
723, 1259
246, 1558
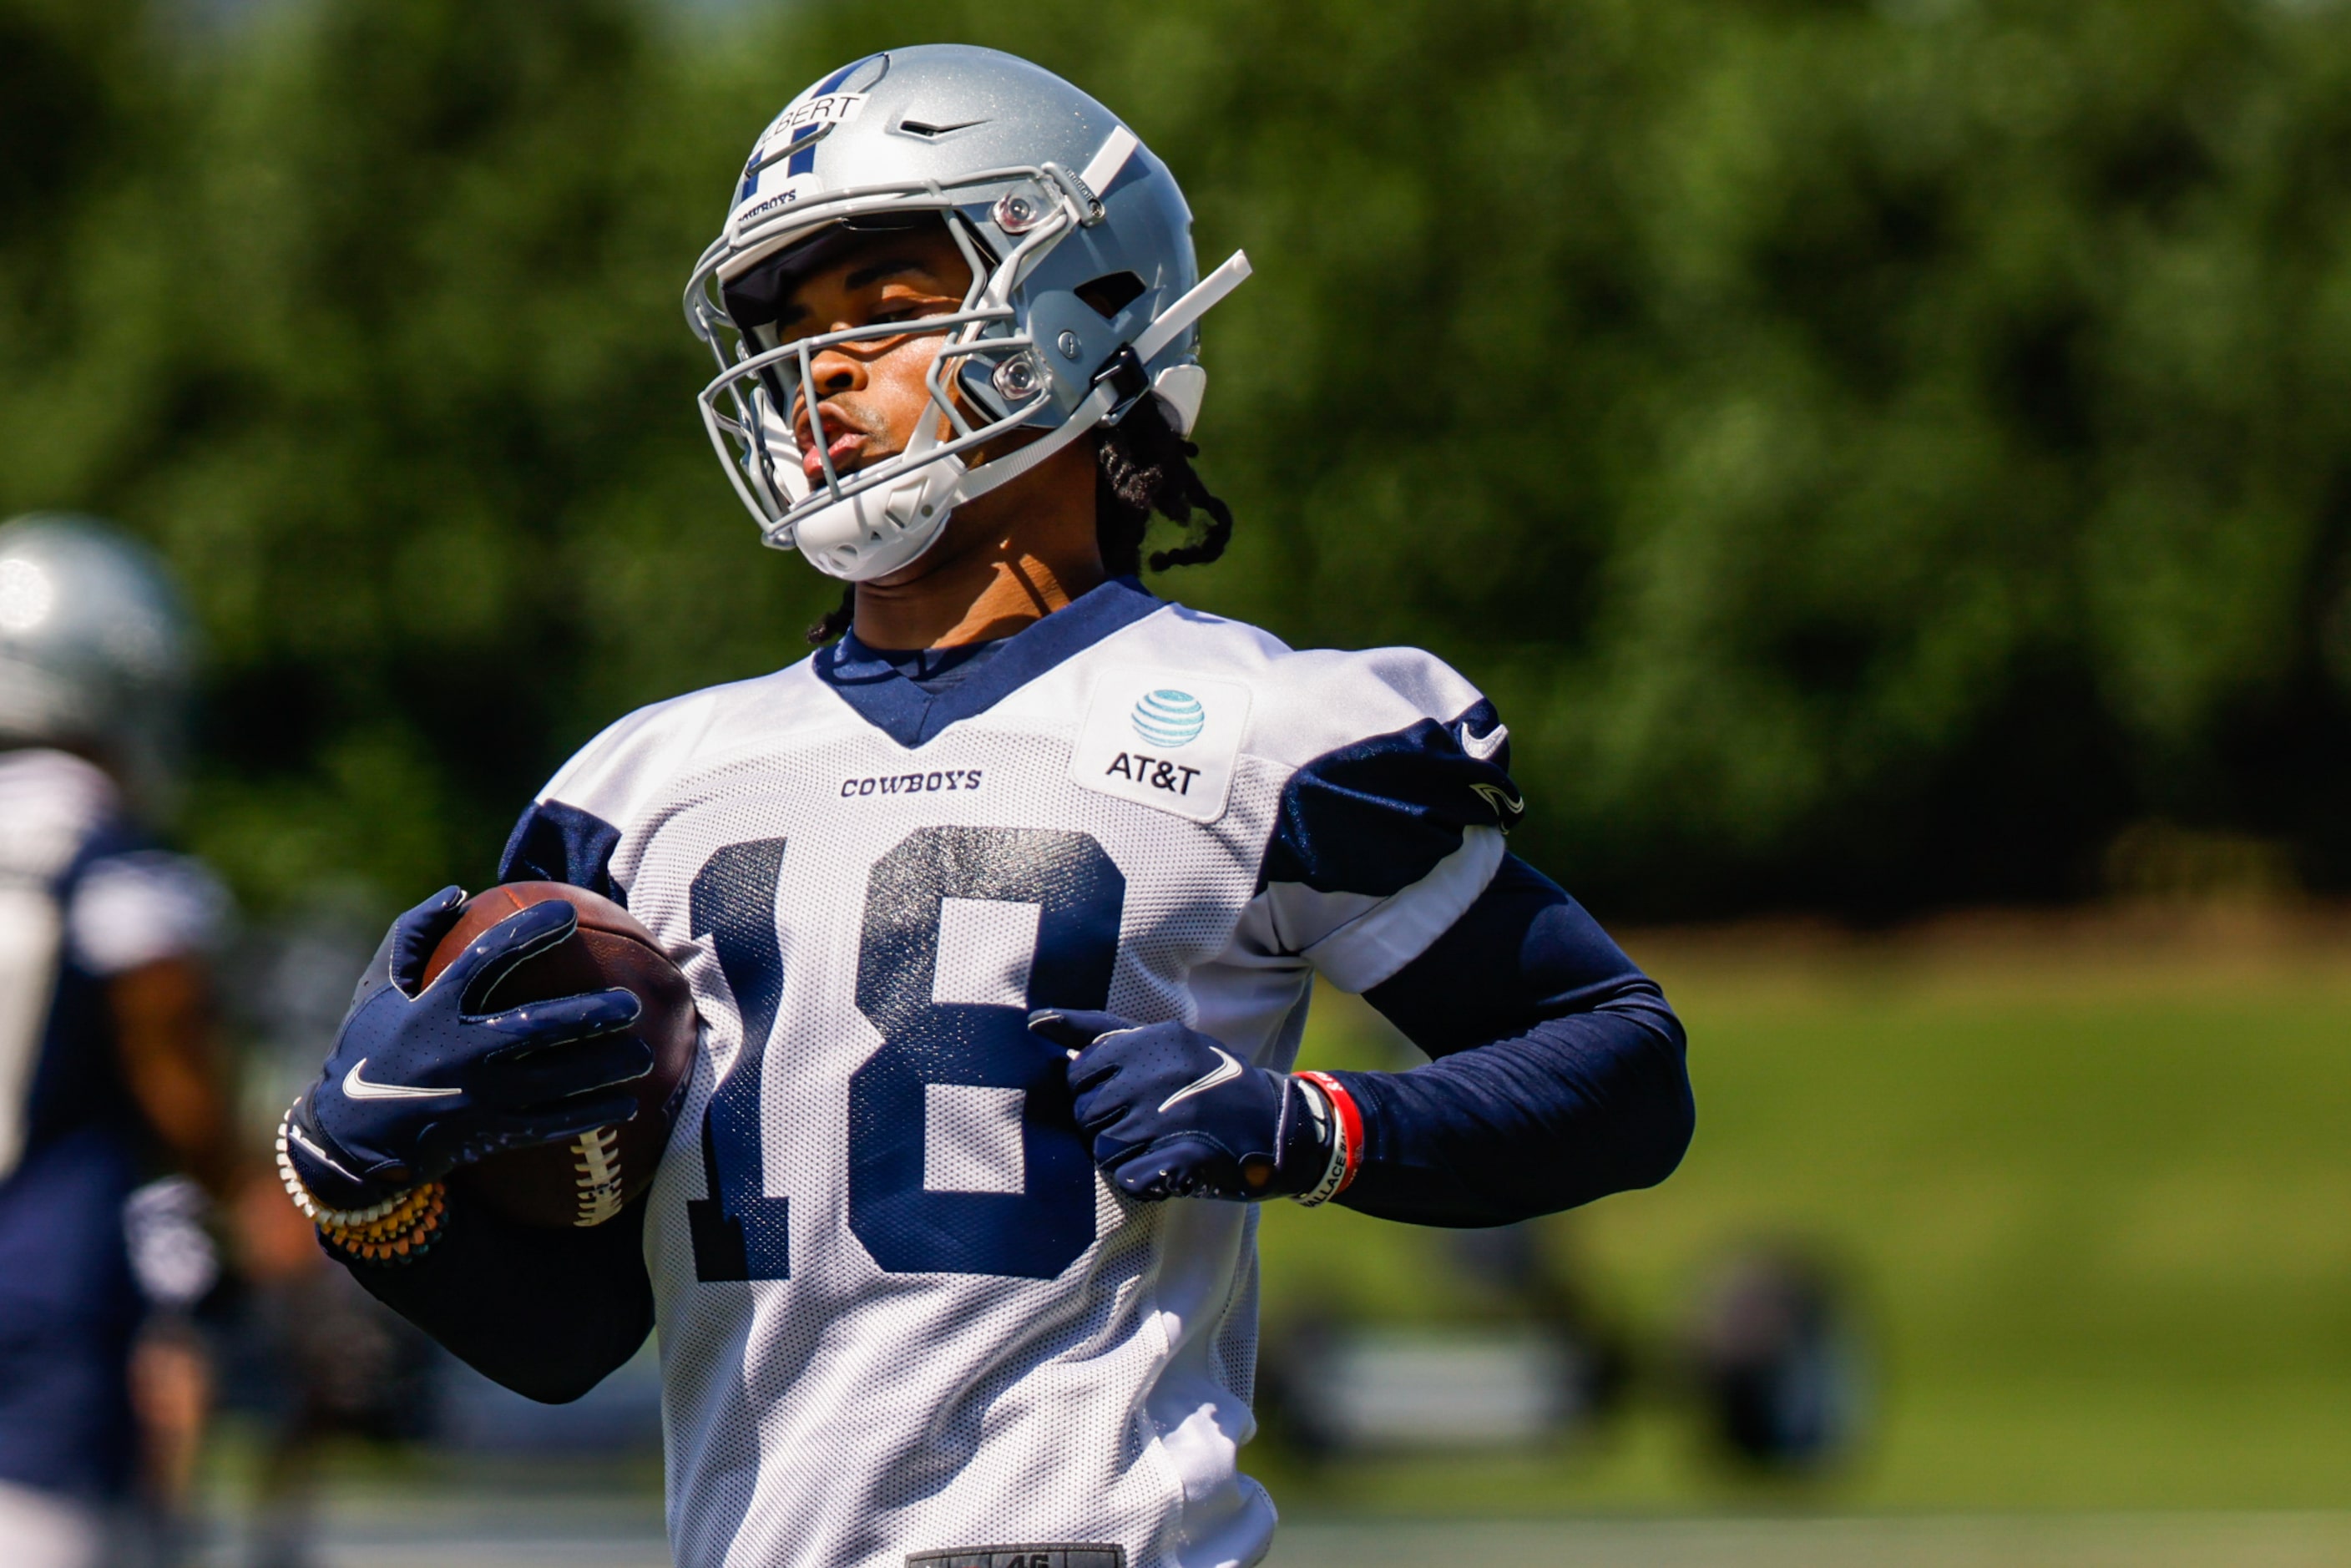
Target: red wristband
1351, 1124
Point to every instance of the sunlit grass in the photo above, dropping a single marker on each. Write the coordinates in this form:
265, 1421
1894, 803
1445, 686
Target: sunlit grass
2089, 1182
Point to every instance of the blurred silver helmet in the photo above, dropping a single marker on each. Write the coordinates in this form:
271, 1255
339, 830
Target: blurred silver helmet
1052, 202
95, 650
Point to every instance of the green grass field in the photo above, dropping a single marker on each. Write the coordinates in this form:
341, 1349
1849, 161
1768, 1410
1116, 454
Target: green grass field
2090, 1176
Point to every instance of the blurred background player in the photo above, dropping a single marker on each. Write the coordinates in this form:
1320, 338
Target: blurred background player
109, 1075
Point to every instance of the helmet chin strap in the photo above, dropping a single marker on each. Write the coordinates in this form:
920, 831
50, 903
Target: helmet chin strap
876, 531
847, 540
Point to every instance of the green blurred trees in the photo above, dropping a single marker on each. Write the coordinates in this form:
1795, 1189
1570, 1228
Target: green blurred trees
1874, 454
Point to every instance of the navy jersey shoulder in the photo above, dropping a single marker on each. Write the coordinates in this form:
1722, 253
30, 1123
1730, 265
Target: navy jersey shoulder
572, 832
1379, 814
557, 842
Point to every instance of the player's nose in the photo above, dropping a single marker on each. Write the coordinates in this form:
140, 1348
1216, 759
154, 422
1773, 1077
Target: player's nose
833, 372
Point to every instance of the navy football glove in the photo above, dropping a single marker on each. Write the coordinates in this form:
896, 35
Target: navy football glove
421, 1081
1171, 1113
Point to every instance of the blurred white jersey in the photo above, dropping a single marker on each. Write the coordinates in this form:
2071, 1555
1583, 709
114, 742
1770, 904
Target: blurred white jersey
899, 1313
82, 898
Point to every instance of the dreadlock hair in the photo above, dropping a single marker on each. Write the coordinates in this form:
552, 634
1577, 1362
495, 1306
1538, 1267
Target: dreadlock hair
835, 621
1142, 469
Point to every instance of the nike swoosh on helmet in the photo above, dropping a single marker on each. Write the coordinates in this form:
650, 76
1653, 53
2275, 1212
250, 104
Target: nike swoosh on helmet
359, 1087
1225, 1071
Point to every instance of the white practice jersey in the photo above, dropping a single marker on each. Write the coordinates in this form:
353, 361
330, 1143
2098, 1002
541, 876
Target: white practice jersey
899, 1313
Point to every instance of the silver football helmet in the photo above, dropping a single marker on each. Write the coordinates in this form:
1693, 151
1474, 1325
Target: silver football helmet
1085, 289
95, 648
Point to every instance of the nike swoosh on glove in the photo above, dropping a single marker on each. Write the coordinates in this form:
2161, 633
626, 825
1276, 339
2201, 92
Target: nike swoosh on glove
422, 1082
1169, 1112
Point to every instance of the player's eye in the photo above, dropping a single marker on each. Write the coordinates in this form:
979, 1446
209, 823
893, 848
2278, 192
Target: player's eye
911, 308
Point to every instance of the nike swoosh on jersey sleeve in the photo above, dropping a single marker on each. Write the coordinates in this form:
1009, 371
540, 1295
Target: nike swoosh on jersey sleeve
1484, 748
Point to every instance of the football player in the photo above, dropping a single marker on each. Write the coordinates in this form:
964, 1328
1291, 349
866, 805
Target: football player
107, 1067
1001, 910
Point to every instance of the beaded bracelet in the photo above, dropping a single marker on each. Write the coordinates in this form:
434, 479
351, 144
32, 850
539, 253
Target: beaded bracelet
399, 1237
395, 1231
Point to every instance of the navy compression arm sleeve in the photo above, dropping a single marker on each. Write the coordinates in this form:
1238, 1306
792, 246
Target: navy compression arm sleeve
1559, 1075
548, 1313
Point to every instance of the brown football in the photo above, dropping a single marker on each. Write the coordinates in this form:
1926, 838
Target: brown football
588, 1180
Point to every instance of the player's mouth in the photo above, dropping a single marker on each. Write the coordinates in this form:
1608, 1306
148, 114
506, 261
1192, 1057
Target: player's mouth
846, 451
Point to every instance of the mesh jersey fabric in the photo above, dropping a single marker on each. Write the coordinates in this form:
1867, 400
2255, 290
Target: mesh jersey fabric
82, 897
898, 1312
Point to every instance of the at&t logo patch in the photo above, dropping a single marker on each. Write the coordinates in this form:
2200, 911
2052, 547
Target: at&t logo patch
1169, 718
1167, 744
